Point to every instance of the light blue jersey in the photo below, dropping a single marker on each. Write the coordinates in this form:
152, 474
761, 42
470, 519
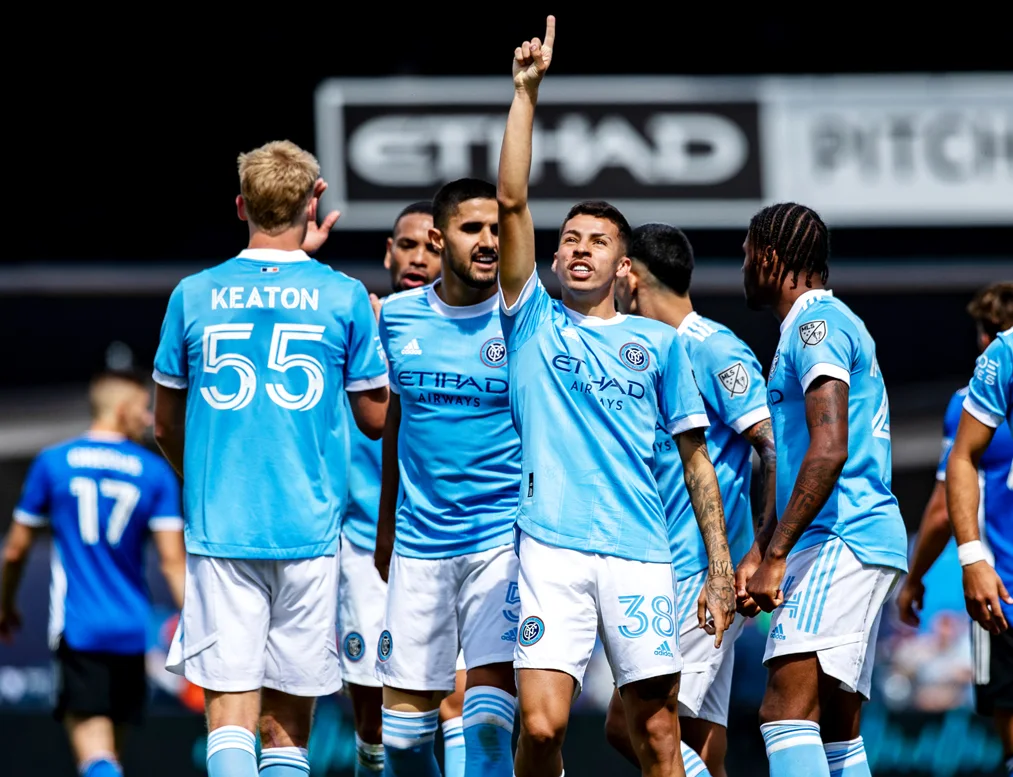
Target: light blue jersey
990, 393
995, 481
458, 452
267, 343
821, 337
735, 396
101, 495
586, 394
363, 504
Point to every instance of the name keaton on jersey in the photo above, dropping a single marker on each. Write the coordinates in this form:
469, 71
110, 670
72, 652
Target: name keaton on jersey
289, 297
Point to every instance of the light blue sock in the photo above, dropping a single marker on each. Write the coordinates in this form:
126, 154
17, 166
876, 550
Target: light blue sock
232, 752
369, 758
695, 767
408, 743
847, 759
794, 749
453, 748
104, 765
284, 762
488, 729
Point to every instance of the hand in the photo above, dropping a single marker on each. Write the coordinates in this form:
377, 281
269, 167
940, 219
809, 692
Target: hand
912, 595
532, 58
381, 556
982, 591
717, 597
377, 303
316, 236
744, 603
765, 584
10, 624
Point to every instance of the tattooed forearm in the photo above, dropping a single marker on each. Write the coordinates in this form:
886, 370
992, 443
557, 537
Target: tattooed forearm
826, 405
705, 496
761, 436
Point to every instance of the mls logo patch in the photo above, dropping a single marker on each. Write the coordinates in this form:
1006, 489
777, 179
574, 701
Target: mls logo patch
354, 646
635, 356
735, 379
385, 646
494, 352
812, 332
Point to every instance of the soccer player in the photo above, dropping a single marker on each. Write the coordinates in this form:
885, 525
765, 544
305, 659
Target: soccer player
253, 356
102, 495
987, 583
451, 469
413, 261
840, 544
587, 385
731, 382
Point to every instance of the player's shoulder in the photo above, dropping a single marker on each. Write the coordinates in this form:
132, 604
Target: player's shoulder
707, 336
405, 303
649, 328
825, 317
1006, 338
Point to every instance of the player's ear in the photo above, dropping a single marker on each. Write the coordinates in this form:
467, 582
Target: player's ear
386, 256
241, 208
436, 238
555, 258
623, 268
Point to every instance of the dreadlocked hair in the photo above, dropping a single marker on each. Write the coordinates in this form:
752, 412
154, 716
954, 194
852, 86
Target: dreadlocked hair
799, 237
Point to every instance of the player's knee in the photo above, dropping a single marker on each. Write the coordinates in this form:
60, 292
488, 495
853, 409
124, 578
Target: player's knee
286, 725
659, 735
542, 733
616, 732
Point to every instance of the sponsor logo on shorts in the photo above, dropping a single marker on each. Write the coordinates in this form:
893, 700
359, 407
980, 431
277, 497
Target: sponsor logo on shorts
635, 356
509, 636
354, 646
665, 650
385, 646
494, 352
778, 632
531, 631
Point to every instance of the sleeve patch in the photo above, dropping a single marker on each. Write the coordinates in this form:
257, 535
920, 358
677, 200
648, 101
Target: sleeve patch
812, 332
735, 379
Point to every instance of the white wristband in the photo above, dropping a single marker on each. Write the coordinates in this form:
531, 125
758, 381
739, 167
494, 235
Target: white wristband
971, 553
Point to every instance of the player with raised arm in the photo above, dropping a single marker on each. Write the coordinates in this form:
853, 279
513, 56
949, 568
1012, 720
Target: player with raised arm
840, 544
987, 583
254, 355
451, 468
102, 495
587, 385
413, 261
734, 392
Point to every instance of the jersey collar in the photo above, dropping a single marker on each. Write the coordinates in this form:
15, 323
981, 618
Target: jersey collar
801, 304
274, 255
687, 322
460, 311
99, 435
581, 320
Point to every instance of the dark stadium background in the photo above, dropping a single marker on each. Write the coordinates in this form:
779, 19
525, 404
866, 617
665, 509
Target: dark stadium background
121, 140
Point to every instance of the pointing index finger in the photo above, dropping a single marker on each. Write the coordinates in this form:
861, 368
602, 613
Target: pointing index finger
550, 32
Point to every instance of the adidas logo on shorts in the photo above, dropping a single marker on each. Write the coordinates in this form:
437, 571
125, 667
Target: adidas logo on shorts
509, 636
664, 650
778, 632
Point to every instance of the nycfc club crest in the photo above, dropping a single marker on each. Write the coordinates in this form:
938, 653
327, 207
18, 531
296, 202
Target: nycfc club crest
735, 379
354, 646
634, 356
812, 332
494, 352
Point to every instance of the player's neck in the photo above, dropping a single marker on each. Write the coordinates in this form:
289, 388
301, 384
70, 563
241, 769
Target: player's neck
667, 307
289, 240
789, 296
106, 426
600, 304
458, 294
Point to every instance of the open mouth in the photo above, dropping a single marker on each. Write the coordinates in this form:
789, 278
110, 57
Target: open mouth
485, 260
581, 270
412, 280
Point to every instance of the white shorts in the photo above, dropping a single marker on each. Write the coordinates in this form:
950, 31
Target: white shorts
568, 597
832, 607
362, 600
706, 686
443, 611
256, 623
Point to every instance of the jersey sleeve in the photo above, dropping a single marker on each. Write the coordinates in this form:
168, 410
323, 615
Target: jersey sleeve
732, 381
823, 345
166, 510
521, 320
950, 422
679, 400
988, 394
171, 356
33, 506
365, 364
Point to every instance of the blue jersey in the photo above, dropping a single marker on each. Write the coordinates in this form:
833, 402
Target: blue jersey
266, 343
364, 459
995, 481
101, 495
458, 452
586, 394
734, 394
990, 393
821, 337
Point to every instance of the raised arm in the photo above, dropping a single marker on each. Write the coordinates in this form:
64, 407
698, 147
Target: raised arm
826, 415
516, 229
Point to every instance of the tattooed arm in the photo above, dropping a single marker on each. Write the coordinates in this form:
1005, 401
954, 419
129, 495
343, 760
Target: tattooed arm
761, 436
826, 415
702, 482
